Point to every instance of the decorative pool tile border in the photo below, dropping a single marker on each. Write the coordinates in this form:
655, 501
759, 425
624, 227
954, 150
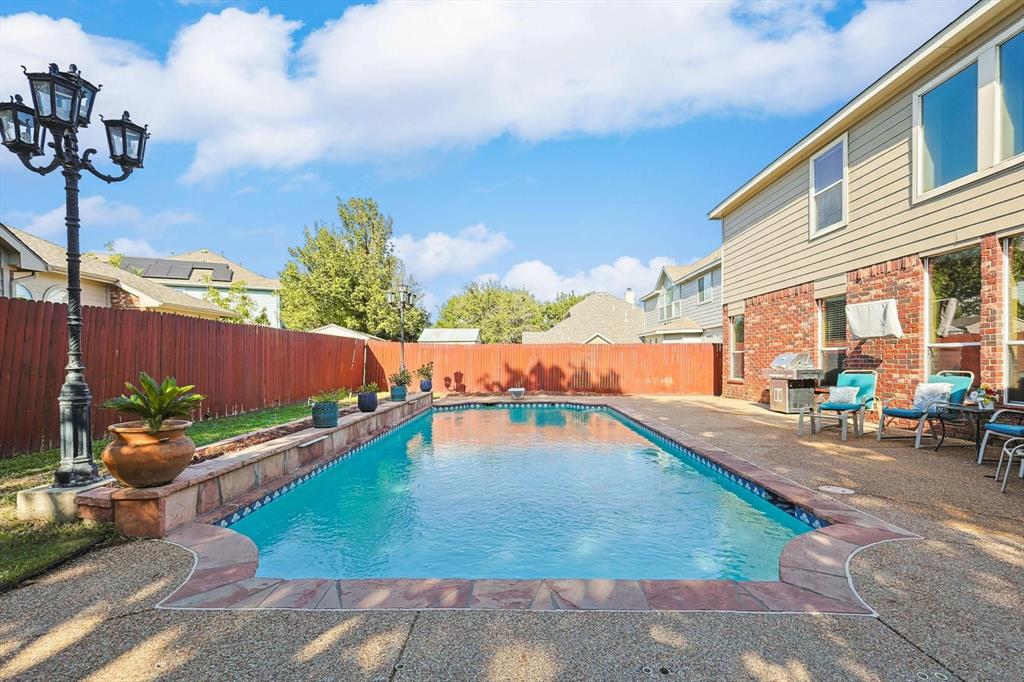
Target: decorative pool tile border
230, 517
813, 567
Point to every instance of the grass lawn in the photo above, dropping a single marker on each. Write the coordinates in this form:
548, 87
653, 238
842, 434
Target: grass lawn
29, 548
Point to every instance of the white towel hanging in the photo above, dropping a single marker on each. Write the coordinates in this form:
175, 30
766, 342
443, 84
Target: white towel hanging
874, 319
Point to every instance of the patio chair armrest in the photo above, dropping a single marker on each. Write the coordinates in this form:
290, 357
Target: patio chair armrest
995, 415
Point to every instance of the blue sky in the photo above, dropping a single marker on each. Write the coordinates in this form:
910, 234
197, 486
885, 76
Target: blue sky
550, 146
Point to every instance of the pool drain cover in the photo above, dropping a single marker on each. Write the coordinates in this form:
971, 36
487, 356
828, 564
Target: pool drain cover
836, 490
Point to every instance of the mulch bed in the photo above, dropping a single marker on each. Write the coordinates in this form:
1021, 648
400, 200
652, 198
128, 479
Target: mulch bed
247, 440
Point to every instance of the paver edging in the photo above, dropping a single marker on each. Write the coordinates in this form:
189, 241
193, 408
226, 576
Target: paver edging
814, 569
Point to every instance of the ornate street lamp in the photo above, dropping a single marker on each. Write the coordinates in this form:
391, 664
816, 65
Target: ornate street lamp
63, 103
401, 298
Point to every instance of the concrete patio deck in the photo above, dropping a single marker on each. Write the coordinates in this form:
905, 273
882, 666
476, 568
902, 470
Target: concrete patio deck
950, 604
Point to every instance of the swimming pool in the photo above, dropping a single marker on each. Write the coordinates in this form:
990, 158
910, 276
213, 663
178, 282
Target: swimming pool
520, 492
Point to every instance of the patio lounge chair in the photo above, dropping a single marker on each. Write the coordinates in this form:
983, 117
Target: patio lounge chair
936, 411
865, 381
1014, 447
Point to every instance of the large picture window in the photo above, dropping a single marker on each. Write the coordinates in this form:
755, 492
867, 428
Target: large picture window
954, 311
969, 120
736, 347
828, 188
1011, 97
833, 338
1015, 320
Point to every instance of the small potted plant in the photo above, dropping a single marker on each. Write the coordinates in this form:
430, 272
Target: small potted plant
426, 373
400, 381
155, 449
325, 408
366, 397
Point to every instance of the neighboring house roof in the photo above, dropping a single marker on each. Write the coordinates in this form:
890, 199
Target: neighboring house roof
196, 267
976, 19
150, 294
26, 258
455, 335
680, 273
598, 315
338, 330
680, 325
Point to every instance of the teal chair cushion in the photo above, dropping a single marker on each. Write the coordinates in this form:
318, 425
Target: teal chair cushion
865, 383
961, 385
1006, 429
901, 413
840, 407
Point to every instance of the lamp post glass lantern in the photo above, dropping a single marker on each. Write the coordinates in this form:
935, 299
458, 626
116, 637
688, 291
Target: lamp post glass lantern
403, 299
63, 103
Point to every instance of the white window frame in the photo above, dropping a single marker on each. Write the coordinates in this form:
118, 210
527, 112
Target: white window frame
812, 222
732, 347
989, 125
928, 345
822, 348
1008, 343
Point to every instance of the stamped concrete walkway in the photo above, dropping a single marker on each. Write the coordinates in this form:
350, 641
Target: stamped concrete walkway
950, 604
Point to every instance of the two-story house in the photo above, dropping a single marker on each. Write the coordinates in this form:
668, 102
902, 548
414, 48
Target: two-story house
685, 305
911, 193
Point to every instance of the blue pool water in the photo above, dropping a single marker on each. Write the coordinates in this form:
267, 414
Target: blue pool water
519, 492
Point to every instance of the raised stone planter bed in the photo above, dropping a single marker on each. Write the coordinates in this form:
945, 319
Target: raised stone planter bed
231, 478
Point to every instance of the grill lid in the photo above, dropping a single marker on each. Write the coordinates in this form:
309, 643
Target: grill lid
792, 361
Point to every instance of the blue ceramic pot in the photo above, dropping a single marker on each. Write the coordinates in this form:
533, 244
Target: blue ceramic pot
325, 415
426, 385
398, 393
367, 402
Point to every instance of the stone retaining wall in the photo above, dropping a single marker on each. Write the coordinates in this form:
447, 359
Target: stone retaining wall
222, 482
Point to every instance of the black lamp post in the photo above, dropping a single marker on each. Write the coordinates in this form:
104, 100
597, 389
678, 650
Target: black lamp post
401, 298
63, 103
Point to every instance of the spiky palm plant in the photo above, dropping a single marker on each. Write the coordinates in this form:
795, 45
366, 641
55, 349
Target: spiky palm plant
153, 403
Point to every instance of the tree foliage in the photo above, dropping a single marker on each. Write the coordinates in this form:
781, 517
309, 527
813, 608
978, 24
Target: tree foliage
554, 311
502, 314
341, 275
237, 298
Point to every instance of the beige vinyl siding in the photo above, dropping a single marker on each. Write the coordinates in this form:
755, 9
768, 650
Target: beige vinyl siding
767, 246
93, 293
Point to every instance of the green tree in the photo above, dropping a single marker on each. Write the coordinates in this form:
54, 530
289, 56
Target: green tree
554, 311
342, 276
237, 298
502, 314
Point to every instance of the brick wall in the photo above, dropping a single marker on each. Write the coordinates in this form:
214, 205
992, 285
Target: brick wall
787, 320
119, 298
777, 322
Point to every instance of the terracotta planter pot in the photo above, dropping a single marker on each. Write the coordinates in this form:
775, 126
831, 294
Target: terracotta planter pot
140, 458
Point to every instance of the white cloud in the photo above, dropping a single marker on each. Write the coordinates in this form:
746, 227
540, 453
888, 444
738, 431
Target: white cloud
98, 212
388, 80
134, 247
544, 282
486, 277
439, 252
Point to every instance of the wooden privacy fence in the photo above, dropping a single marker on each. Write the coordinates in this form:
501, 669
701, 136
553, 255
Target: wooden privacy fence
237, 367
557, 368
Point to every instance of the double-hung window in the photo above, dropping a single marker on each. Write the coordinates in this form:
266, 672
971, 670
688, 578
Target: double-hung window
969, 121
736, 347
954, 311
833, 338
828, 188
705, 288
1014, 319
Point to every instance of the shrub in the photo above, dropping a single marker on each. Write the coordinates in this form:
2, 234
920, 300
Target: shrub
153, 403
426, 372
368, 388
401, 378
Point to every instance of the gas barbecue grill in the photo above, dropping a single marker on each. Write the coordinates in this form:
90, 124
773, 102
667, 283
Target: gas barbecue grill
791, 381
